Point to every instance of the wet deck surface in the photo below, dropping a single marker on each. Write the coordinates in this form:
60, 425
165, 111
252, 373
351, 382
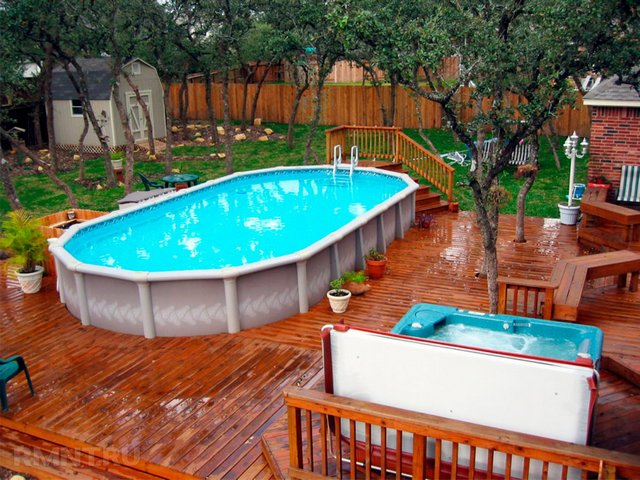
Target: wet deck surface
200, 405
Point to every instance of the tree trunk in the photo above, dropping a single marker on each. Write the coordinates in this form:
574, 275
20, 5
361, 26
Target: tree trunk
145, 111
392, 102
254, 103
293, 114
184, 105
80, 84
228, 150
168, 152
524, 190
308, 151
213, 124
37, 128
85, 130
48, 103
423, 135
116, 70
552, 142
9, 188
245, 95
73, 202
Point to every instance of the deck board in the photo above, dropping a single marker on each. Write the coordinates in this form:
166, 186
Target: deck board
200, 404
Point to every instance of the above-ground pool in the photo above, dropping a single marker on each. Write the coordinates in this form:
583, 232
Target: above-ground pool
503, 333
234, 253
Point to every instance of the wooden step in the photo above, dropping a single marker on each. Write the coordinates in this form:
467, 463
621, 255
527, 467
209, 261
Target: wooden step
441, 206
625, 366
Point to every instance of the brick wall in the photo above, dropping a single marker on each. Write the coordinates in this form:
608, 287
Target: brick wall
615, 141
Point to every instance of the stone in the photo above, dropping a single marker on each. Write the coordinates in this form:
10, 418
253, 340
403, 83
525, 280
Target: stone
222, 155
268, 131
263, 138
180, 145
44, 151
197, 134
213, 155
121, 184
175, 170
76, 157
27, 161
99, 187
239, 137
40, 169
237, 129
257, 121
220, 130
199, 140
175, 129
192, 127
152, 157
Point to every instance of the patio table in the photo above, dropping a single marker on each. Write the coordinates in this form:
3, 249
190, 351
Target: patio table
189, 178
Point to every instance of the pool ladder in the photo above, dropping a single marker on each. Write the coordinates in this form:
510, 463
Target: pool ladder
337, 158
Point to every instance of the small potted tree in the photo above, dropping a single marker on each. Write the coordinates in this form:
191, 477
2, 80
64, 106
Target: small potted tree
356, 282
338, 296
376, 263
22, 238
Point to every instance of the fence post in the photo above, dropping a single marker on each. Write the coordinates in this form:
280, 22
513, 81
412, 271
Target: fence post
295, 437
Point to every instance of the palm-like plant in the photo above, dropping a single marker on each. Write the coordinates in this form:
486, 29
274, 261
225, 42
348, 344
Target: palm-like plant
22, 238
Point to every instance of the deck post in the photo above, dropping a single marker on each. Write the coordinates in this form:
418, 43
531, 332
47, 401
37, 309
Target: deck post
381, 245
146, 308
359, 263
231, 301
82, 296
303, 294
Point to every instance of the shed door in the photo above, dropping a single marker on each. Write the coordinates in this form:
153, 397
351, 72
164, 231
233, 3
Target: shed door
137, 121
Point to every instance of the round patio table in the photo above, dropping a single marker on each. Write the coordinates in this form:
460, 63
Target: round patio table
172, 180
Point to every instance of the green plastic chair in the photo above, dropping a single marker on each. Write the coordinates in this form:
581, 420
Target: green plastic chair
9, 368
149, 184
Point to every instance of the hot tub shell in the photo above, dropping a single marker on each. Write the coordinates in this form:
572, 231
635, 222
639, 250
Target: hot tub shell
203, 302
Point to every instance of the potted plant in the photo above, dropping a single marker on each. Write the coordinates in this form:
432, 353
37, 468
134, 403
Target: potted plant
22, 238
355, 282
376, 263
116, 160
338, 296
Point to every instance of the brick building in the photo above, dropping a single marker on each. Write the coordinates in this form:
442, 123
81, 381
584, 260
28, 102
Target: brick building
615, 128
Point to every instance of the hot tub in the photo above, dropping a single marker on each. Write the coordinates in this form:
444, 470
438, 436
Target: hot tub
229, 254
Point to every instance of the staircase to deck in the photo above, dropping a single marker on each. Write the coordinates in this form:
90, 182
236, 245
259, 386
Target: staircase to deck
387, 148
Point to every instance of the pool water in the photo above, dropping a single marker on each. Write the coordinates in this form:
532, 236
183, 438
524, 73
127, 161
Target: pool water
233, 223
522, 343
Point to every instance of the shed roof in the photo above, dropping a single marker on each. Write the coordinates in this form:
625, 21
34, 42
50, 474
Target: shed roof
612, 93
98, 72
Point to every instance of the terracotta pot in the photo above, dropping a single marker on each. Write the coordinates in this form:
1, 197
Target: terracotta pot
356, 288
376, 268
454, 207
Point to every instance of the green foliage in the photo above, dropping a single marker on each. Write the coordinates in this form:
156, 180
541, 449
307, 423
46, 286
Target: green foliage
375, 255
357, 276
336, 284
21, 236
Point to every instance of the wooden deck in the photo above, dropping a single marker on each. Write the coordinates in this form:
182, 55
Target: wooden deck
200, 405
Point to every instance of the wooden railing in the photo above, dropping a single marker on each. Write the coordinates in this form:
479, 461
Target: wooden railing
440, 446
389, 143
525, 298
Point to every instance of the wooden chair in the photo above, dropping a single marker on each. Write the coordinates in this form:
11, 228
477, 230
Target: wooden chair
9, 368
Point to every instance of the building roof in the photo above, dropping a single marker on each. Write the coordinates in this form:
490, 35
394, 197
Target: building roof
98, 72
612, 93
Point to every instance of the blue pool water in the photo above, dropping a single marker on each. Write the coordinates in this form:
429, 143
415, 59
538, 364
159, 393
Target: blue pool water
503, 333
236, 222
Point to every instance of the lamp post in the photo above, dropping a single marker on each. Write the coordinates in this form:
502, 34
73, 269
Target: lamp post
568, 212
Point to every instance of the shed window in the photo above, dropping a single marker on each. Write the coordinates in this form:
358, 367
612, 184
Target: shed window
76, 108
135, 68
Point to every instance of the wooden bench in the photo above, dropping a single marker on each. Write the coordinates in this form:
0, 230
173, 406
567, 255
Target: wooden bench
600, 213
560, 296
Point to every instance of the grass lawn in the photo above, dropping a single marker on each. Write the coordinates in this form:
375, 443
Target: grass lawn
40, 197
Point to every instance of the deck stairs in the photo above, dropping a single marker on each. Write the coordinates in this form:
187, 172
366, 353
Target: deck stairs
427, 201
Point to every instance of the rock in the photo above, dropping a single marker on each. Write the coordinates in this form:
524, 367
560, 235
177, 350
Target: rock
44, 151
237, 129
197, 134
152, 157
27, 161
76, 157
120, 184
40, 169
99, 187
180, 145
268, 131
213, 155
222, 155
263, 138
192, 127
175, 170
175, 129
220, 130
199, 140
239, 137
257, 121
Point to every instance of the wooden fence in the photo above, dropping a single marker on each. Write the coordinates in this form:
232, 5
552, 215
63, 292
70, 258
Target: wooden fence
348, 105
442, 448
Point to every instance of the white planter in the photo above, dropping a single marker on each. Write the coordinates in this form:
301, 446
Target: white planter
339, 304
116, 164
568, 215
31, 282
